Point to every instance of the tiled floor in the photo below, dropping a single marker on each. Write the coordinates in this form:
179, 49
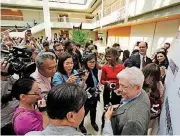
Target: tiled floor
87, 122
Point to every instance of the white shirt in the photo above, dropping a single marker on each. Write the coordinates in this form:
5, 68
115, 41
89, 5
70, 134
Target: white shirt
141, 57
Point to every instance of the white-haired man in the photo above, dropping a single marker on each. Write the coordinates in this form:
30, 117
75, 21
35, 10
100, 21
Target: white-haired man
132, 116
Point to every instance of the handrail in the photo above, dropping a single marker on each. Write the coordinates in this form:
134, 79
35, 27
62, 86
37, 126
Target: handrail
8, 30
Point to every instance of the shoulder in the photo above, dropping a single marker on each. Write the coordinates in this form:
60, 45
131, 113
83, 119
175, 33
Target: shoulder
37, 133
27, 116
57, 74
120, 66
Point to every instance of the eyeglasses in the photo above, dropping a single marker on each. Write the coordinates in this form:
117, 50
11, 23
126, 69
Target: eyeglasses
159, 56
38, 92
92, 62
60, 50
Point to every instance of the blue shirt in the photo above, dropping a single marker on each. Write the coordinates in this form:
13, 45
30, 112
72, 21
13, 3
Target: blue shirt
124, 101
59, 78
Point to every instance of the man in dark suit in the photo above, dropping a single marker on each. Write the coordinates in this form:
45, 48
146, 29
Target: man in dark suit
140, 60
133, 115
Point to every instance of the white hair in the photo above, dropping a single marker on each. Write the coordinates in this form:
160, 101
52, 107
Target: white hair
133, 75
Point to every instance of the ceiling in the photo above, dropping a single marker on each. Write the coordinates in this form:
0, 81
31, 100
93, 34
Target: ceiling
79, 2
82, 6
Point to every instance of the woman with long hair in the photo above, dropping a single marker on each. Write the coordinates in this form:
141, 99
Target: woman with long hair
162, 61
66, 72
154, 87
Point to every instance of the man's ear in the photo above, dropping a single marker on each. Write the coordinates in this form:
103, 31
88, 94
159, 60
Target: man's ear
70, 117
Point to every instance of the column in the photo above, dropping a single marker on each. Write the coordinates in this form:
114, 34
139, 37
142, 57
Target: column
102, 12
47, 23
126, 11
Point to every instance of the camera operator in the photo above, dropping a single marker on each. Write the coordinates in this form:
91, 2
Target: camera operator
109, 77
45, 69
7, 103
89, 63
66, 73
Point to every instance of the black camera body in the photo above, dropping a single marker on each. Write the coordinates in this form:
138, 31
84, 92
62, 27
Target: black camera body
20, 61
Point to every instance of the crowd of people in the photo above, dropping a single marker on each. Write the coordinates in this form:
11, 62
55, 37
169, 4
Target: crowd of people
56, 97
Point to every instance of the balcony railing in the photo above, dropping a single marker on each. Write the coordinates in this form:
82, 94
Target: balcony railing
11, 17
72, 20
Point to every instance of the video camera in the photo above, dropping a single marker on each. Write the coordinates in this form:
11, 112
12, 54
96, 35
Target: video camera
19, 60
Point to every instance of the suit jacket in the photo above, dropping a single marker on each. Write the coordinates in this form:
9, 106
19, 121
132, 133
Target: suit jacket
132, 118
134, 60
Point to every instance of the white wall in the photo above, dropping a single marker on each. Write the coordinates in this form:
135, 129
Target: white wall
30, 15
143, 6
142, 32
154, 34
165, 32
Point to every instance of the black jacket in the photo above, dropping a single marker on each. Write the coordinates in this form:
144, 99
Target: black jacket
134, 60
90, 83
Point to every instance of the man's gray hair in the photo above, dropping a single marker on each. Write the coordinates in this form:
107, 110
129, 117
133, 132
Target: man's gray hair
133, 75
42, 57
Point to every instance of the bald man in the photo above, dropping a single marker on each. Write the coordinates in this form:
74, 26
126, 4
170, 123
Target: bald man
140, 60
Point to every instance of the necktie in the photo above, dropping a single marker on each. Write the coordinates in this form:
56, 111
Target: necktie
143, 62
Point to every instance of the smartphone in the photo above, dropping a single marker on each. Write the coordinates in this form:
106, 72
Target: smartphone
80, 74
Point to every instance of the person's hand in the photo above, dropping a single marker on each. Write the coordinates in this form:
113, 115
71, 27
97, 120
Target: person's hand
72, 79
4, 69
85, 76
108, 114
163, 71
41, 103
6, 34
4, 66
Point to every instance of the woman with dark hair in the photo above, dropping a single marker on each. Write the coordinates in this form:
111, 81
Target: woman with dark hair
154, 87
26, 118
162, 61
65, 109
66, 73
125, 57
109, 77
89, 63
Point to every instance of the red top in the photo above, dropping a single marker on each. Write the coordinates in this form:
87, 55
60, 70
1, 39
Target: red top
110, 74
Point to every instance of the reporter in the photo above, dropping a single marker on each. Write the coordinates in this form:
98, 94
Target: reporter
89, 63
109, 75
26, 118
65, 72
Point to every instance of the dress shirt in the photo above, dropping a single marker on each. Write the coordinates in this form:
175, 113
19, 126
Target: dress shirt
44, 82
141, 57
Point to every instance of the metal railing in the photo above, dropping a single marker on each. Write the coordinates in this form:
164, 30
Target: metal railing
70, 19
